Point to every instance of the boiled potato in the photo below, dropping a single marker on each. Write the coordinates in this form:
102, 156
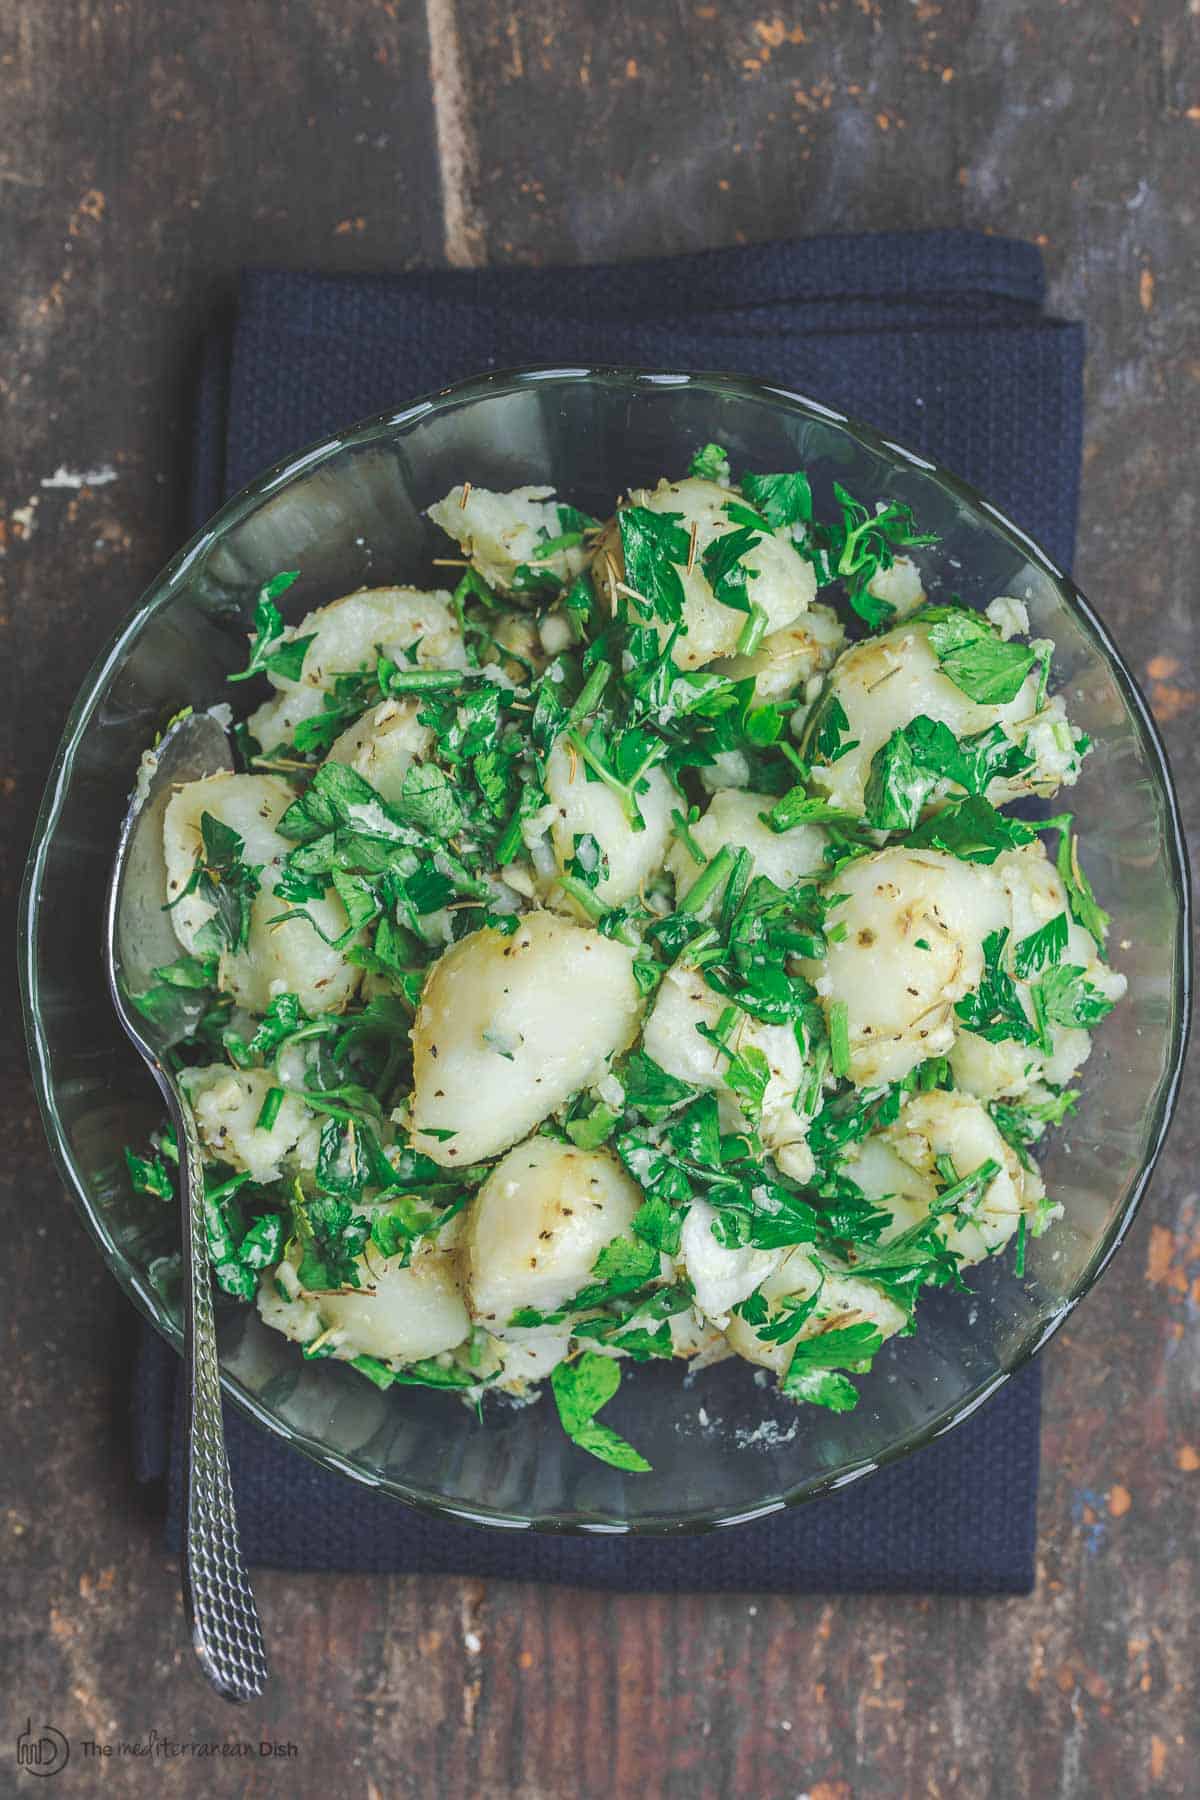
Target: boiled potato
957, 1126
277, 958
693, 1336
519, 648
584, 806
538, 1224
383, 745
734, 817
845, 1300
783, 583
1035, 894
227, 1102
347, 636
290, 956
500, 532
914, 923
683, 1002
720, 1277
527, 1357
885, 682
900, 586
497, 1041
787, 660
399, 1314
251, 805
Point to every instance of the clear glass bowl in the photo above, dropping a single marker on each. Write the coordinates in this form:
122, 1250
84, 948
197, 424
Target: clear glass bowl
349, 512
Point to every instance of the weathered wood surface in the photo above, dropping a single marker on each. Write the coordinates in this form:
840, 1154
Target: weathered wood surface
149, 150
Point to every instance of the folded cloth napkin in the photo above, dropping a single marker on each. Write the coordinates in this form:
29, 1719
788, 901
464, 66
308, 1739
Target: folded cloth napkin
939, 339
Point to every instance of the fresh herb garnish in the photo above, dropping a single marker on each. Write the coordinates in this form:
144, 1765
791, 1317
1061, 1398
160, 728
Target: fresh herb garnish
974, 656
269, 653
581, 1388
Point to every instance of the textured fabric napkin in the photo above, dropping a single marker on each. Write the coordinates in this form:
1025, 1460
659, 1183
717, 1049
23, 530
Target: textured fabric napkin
938, 339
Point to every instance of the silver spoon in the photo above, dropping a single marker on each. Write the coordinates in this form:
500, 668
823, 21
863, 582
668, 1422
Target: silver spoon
139, 937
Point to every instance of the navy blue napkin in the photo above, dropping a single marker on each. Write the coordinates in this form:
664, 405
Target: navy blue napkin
937, 338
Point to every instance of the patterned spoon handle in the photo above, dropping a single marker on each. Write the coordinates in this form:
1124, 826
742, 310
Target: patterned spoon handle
226, 1631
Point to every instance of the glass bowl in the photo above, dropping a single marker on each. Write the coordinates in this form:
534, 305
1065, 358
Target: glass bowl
349, 512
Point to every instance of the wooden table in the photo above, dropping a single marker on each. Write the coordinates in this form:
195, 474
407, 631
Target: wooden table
148, 151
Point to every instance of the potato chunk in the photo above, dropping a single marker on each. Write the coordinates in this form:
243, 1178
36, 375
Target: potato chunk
845, 1300
502, 532
583, 806
1034, 894
906, 1177
914, 923
885, 682
538, 1224
251, 805
347, 635
684, 1002
509, 1027
277, 958
399, 1315
733, 816
227, 1102
786, 661
782, 583
720, 1277
383, 745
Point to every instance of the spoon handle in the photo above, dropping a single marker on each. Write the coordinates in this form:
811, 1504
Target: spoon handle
226, 1631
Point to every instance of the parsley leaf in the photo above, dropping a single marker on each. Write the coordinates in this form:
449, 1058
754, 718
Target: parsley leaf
856, 549
581, 1388
332, 1236
797, 807
1042, 948
1024, 1122
659, 1224
623, 1266
976, 659
222, 878
972, 830
747, 1072
831, 739
994, 1011
1085, 908
820, 1387
710, 463
150, 1175
1068, 998
649, 1089
844, 1347
724, 569
781, 499
655, 547
269, 629
791, 1313
923, 753
593, 1129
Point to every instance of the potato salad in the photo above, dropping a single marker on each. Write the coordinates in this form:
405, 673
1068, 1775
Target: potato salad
652, 943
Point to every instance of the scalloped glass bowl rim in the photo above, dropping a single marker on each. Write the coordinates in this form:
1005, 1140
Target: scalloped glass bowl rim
162, 591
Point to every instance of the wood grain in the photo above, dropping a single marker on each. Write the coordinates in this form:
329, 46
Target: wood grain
149, 152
